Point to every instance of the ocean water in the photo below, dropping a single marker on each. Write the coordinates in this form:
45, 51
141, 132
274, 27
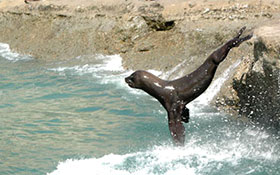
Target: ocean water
78, 117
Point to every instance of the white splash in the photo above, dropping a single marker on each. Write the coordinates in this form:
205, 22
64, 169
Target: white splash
111, 63
6, 53
108, 64
193, 159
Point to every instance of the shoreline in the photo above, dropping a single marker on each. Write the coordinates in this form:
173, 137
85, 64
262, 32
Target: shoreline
157, 34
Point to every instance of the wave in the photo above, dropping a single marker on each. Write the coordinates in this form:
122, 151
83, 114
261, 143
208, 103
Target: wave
106, 64
193, 159
6, 53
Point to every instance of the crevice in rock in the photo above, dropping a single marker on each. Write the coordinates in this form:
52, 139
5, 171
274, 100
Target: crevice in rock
158, 23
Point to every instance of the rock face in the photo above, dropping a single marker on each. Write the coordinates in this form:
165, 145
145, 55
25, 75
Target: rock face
256, 82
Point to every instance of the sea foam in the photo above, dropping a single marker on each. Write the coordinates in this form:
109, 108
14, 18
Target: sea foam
106, 64
6, 53
195, 158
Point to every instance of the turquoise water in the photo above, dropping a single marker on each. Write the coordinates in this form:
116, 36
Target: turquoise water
79, 117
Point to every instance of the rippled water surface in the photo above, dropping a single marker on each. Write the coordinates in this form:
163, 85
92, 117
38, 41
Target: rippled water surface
79, 117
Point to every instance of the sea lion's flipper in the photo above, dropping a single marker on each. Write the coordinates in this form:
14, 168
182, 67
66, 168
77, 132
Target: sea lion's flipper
236, 41
176, 127
240, 32
177, 131
185, 115
220, 54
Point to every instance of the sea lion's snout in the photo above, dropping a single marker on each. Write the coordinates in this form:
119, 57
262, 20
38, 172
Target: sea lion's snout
134, 80
129, 81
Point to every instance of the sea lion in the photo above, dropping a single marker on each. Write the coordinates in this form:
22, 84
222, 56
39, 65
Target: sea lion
175, 94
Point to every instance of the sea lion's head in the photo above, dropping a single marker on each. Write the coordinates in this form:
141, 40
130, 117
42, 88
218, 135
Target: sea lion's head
135, 80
